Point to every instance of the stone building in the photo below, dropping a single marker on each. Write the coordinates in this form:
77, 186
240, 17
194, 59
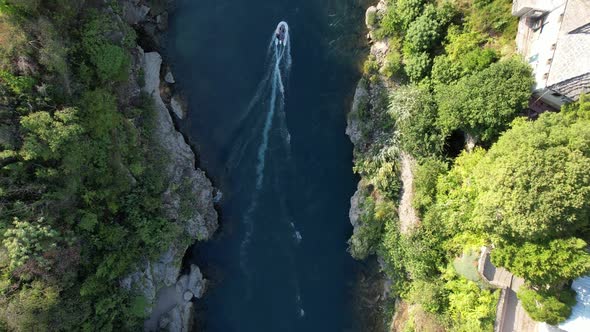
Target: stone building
554, 38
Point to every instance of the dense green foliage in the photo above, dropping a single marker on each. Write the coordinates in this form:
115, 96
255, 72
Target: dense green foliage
546, 307
415, 114
549, 195
518, 186
81, 175
484, 103
426, 177
545, 265
470, 307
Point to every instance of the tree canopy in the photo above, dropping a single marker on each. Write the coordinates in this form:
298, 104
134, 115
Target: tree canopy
545, 265
484, 103
533, 183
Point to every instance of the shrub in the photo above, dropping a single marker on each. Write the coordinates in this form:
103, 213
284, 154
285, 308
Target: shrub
417, 66
392, 64
471, 309
424, 32
31, 308
28, 240
545, 307
415, 114
371, 18
429, 294
445, 71
371, 67
368, 233
406, 12
110, 61
484, 103
533, 183
425, 179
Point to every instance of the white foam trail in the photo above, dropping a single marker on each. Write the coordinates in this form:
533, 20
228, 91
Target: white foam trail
279, 62
277, 91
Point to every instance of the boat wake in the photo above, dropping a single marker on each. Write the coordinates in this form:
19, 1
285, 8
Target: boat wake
263, 120
269, 96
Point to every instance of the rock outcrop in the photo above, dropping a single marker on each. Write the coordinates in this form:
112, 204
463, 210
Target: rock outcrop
188, 200
408, 218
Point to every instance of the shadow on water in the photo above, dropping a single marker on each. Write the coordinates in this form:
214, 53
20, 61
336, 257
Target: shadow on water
295, 273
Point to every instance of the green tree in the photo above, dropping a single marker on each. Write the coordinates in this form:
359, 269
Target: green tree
533, 183
417, 65
415, 114
48, 136
545, 307
425, 179
471, 308
26, 240
545, 265
484, 103
456, 193
30, 309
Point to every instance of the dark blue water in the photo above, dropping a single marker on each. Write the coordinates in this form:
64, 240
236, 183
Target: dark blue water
265, 278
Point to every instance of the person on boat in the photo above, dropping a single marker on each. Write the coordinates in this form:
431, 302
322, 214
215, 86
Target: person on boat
281, 33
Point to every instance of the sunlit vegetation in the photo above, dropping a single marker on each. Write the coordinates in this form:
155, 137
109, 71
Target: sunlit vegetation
81, 173
523, 189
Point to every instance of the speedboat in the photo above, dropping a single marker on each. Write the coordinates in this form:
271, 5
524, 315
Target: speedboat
281, 33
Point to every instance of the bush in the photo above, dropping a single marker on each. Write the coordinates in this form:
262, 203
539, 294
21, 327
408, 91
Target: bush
371, 67
456, 193
471, 309
544, 307
425, 32
30, 309
371, 18
393, 63
13, 40
484, 103
110, 61
545, 265
406, 12
417, 66
367, 236
425, 179
429, 294
415, 114
533, 183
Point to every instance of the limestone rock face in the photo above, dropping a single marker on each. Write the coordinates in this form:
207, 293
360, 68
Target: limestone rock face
353, 129
190, 195
188, 202
178, 106
133, 12
370, 15
354, 214
169, 78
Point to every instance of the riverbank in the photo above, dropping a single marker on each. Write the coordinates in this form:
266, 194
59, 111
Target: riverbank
119, 199
189, 198
429, 123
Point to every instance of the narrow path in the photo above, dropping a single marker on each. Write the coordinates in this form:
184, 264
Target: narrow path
408, 218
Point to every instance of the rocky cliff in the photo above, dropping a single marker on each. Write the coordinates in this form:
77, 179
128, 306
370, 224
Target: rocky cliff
189, 198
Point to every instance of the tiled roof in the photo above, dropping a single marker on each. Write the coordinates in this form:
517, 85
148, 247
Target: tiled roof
572, 54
